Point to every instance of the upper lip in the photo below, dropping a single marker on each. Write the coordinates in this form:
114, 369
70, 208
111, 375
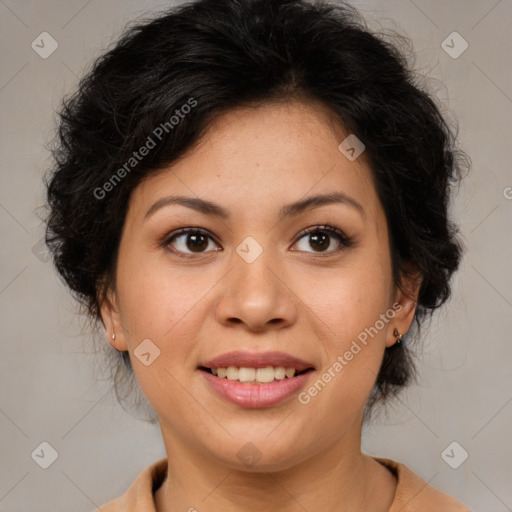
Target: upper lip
257, 360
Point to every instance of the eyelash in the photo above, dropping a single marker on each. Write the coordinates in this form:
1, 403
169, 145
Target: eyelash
344, 240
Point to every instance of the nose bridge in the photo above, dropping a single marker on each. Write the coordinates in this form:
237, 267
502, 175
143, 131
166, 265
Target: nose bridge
255, 269
253, 292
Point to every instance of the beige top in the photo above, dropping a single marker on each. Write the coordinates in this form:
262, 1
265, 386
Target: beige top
413, 494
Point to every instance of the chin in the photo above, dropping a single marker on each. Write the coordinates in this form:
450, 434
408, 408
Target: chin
260, 457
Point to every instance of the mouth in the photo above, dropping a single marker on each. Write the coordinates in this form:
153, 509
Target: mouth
251, 375
256, 380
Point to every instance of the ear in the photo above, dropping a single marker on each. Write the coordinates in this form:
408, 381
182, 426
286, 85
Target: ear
406, 300
112, 321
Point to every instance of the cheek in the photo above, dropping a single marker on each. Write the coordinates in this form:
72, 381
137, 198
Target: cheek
349, 305
153, 297
163, 304
349, 299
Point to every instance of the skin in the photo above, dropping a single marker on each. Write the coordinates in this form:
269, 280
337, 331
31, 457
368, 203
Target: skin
307, 301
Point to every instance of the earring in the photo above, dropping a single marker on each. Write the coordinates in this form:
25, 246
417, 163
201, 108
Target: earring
398, 335
113, 336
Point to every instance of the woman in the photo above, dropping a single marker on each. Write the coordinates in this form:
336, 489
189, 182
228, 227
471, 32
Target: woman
252, 197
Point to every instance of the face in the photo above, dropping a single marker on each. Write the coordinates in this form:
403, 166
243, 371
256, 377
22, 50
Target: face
249, 270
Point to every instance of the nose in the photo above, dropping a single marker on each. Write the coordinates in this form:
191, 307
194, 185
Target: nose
256, 296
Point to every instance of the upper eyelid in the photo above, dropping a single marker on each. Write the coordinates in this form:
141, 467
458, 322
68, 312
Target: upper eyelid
185, 231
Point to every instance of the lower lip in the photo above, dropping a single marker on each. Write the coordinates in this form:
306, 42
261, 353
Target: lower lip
256, 395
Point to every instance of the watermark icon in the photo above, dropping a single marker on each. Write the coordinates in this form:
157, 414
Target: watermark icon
454, 45
249, 250
249, 455
137, 156
146, 352
351, 147
454, 455
343, 360
507, 192
40, 251
44, 45
44, 455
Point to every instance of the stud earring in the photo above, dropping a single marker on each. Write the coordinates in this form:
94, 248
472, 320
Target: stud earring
398, 335
113, 336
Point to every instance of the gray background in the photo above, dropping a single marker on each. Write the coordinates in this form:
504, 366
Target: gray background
49, 390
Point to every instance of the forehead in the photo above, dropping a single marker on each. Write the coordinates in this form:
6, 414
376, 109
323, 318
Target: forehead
260, 155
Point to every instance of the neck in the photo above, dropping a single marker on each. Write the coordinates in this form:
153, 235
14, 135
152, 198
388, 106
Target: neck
340, 478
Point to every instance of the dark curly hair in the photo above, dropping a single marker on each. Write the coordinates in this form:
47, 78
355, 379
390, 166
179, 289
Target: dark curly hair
211, 56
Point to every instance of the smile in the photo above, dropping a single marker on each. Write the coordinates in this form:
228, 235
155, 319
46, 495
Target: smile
253, 394
248, 375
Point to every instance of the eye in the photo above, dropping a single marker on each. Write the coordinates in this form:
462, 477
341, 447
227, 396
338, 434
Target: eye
320, 238
190, 240
187, 241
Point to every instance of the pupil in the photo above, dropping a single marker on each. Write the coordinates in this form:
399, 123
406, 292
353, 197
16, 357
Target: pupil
197, 242
322, 241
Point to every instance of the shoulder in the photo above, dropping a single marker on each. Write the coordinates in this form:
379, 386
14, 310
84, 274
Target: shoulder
413, 494
139, 495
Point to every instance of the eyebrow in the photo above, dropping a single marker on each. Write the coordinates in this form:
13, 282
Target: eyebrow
296, 208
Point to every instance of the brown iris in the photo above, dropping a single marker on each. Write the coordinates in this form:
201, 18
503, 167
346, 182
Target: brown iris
197, 242
319, 241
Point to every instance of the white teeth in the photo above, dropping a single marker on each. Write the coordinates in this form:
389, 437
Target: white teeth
254, 375
245, 375
280, 373
265, 374
232, 373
